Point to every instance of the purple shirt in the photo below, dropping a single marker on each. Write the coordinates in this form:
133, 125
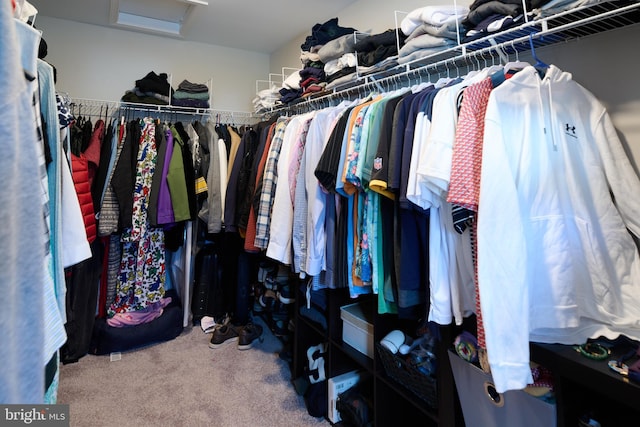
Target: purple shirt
165, 208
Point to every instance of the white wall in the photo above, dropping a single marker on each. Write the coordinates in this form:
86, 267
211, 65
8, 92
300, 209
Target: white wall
102, 63
605, 64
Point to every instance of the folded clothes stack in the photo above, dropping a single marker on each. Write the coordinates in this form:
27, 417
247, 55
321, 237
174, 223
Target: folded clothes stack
151, 89
429, 30
191, 95
266, 99
327, 40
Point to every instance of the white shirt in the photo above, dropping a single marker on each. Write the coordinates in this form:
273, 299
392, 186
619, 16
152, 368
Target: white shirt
555, 261
320, 129
279, 247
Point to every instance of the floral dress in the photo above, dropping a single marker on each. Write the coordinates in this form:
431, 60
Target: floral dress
142, 268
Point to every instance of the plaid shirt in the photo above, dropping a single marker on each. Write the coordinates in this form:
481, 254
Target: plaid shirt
269, 180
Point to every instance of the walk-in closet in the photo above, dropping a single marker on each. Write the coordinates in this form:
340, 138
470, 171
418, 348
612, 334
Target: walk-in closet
353, 213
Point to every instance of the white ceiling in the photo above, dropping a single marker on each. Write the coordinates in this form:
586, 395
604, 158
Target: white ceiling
261, 26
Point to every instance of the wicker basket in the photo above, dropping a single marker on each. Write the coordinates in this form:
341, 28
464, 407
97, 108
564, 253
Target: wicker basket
423, 386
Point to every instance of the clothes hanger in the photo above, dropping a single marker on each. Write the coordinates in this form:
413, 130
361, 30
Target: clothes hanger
443, 81
539, 65
420, 86
457, 69
80, 120
516, 65
475, 55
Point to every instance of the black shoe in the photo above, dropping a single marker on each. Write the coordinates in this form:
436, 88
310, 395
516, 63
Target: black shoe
248, 334
286, 294
267, 300
224, 334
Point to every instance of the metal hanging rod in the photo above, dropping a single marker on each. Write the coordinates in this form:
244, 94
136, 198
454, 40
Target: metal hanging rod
94, 107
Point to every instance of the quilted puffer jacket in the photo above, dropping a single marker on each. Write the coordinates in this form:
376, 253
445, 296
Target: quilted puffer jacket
80, 169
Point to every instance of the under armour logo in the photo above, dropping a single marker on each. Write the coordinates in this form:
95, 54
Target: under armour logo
570, 130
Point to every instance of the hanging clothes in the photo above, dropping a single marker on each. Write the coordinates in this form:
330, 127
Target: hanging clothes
268, 187
214, 176
262, 154
123, 176
160, 209
80, 167
429, 166
25, 242
316, 258
558, 198
142, 268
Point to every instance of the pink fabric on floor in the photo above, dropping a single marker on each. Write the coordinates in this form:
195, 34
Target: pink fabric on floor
133, 318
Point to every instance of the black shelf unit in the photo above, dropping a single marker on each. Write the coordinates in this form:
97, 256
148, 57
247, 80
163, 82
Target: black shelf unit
583, 386
393, 403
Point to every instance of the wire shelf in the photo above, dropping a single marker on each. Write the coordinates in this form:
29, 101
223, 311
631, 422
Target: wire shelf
105, 108
563, 27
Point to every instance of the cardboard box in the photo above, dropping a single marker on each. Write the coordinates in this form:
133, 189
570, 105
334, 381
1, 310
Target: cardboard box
357, 327
337, 385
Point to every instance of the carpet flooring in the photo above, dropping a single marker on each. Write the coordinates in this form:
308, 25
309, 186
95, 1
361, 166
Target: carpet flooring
183, 382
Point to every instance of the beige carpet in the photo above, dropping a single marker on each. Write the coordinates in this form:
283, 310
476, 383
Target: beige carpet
185, 383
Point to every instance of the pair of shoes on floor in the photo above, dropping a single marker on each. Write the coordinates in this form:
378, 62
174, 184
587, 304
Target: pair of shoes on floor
243, 335
208, 323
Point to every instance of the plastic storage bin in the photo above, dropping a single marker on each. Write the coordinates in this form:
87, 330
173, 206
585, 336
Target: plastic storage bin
357, 327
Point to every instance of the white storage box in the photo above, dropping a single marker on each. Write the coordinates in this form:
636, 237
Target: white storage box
483, 406
357, 327
340, 384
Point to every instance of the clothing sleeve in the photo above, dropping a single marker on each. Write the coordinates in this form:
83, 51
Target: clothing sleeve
434, 169
414, 190
214, 221
502, 263
316, 233
222, 158
299, 226
621, 177
178, 185
439, 275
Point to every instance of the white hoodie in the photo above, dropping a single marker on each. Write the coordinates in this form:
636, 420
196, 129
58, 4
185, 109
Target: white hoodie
556, 263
